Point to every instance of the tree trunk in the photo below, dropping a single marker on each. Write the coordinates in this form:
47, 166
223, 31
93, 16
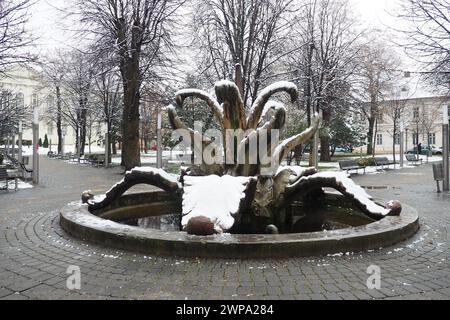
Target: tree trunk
374, 138
114, 145
370, 136
83, 131
393, 143
130, 123
59, 119
325, 140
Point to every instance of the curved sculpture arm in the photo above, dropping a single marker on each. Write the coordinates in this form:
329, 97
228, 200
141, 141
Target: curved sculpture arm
287, 145
228, 96
264, 96
276, 122
155, 177
270, 109
342, 183
181, 95
176, 124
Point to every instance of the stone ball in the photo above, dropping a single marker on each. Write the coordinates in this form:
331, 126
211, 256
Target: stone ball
271, 229
86, 196
200, 226
395, 206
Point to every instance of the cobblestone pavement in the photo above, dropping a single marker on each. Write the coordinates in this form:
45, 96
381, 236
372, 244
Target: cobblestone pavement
35, 252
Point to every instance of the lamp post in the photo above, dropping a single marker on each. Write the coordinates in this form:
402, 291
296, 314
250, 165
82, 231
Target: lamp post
106, 145
402, 149
36, 146
7, 145
13, 145
20, 140
158, 142
445, 140
63, 138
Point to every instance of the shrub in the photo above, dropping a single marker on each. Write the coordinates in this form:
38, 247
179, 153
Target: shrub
45, 144
366, 162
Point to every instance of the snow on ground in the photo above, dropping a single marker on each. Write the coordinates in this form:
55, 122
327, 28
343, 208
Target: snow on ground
20, 185
334, 166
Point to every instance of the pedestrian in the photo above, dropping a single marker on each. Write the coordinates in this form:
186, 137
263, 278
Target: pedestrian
419, 148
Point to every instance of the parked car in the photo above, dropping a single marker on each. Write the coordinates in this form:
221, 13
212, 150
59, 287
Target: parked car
426, 149
437, 150
343, 149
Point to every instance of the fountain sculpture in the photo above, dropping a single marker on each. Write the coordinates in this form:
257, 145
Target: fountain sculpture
250, 192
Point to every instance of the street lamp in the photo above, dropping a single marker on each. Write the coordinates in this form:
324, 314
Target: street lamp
402, 149
445, 147
63, 138
20, 140
36, 145
106, 145
159, 142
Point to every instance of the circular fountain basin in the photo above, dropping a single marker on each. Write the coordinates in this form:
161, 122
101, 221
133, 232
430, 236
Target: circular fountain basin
76, 219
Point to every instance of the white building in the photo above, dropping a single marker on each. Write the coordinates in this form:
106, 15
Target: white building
27, 84
421, 115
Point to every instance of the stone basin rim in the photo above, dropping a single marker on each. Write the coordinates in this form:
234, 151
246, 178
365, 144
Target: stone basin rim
76, 219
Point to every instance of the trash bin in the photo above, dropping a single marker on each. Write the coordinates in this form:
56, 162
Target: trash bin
438, 173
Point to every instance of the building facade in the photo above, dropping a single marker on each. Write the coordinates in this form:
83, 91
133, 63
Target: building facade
416, 110
29, 88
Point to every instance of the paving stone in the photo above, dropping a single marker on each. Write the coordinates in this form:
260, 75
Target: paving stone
35, 252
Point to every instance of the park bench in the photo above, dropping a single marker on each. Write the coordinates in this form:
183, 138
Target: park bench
96, 159
383, 161
66, 156
413, 159
25, 173
348, 165
52, 154
5, 177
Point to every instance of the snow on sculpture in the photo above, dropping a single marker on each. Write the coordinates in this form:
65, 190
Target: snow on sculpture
245, 193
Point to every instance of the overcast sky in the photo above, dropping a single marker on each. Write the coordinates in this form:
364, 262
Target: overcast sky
50, 24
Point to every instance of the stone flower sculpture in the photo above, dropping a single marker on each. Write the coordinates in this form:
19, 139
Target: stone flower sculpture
248, 192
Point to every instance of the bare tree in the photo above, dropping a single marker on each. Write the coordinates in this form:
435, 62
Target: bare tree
54, 70
77, 88
373, 77
108, 98
139, 32
394, 108
327, 61
251, 33
14, 39
12, 109
428, 34
429, 115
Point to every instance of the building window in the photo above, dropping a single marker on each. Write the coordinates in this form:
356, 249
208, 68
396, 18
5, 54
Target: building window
20, 100
416, 113
34, 100
414, 138
432, 138
379, 139
397, 139
380, 117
